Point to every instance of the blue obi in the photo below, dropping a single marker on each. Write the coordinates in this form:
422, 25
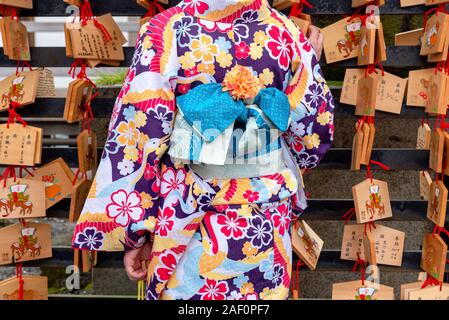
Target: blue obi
213, 128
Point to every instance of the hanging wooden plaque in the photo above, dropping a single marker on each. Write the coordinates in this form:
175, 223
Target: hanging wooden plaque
435, 34
434, 255
430, 293
371, 200
24, 243
307, 244
437, 94
34, 288
436, 208
423, 138
388, 244
20, 145
79, 196
341, 40
355, 290
22, 198
424, 184
367, 89
20, 88
57, 177
87, 150
436, 150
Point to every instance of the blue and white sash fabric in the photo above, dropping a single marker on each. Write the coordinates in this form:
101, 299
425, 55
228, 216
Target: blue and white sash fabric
213, 128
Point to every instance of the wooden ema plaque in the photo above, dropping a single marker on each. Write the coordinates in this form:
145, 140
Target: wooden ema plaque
355, 290
436, 207
20, 88
24, 243
388, 244
87, 150
435, 34
436, 150
369, 247
430, 293
27, 4
409, 38
437, 94
88, 41
341, 40
367, 89
423, 137
57, 177
307, 244
424, 184
367, 46
389, 95
418, 87
22, 198
371, 201
34, 288
20, 145
78, 198
357, 150
434, 254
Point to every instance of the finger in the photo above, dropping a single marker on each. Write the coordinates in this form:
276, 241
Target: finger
321, 39
313, 32
135, 274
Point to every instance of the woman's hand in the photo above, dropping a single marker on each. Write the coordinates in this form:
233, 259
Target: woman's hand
316, 39
136, 262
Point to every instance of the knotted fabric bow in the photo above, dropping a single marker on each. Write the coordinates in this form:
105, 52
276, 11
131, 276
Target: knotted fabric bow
212, 113
211, 110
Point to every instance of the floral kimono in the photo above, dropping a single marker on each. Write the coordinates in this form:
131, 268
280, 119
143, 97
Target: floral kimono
219, 231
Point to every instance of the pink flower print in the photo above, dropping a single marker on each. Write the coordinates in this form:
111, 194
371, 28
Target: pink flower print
241, 50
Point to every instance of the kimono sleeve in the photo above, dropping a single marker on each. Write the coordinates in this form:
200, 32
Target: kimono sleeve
310, 134
121, 209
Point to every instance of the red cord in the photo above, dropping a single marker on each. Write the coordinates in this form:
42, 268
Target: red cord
19, 273
153, 9
348, 215
362, 264
297, 8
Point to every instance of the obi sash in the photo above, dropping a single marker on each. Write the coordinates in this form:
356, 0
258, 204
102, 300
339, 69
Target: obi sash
214, 129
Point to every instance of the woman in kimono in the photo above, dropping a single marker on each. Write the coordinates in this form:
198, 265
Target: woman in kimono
200, 178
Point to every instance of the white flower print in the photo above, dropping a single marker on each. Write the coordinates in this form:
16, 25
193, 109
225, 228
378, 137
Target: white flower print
126, 167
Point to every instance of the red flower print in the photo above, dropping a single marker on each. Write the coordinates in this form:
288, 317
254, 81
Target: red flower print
294, 141
213, 290
241, 50
280, 46
168, 262
184, 88
281, 218
196, 6
149, 172
164, 221
191, 72
251, 196
125, 207
233, 226
305, 42
173, 181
